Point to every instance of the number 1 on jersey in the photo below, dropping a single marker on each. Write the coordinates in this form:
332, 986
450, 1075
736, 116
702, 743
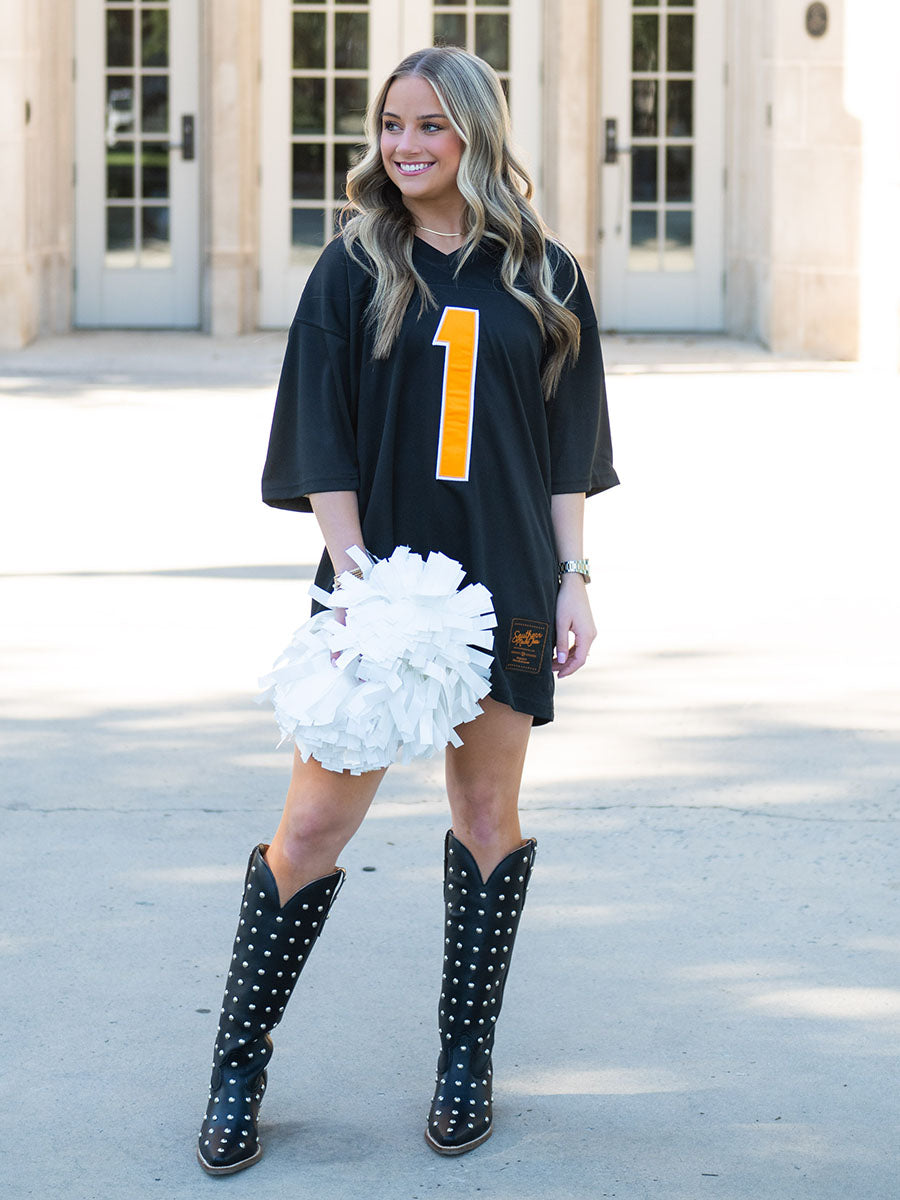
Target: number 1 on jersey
457, 332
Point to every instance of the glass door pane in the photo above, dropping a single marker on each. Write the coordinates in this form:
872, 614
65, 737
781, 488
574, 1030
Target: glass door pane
481, 27
136, 133
662, 136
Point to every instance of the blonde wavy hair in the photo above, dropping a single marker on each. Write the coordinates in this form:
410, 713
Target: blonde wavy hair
497, 191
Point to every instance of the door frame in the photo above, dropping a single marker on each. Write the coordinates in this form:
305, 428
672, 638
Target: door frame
145, 298
663, 301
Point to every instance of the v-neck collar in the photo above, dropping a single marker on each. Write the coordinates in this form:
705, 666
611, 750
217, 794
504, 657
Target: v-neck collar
433, 251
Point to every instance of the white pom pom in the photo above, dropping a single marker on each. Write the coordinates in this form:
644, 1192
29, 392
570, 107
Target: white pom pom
410, 664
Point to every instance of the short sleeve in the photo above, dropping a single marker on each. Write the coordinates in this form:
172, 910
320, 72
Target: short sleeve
577, 417
312, 444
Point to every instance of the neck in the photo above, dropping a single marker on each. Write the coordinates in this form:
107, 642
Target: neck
446, 221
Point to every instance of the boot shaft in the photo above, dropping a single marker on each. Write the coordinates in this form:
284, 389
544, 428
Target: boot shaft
271, 946
480, 925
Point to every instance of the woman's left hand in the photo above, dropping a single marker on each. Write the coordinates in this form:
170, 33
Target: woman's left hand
575, 629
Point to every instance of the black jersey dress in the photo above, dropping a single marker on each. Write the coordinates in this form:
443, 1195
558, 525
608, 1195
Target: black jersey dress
449, 442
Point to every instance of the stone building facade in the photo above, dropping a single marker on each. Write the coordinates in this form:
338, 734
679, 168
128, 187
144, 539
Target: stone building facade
726, 165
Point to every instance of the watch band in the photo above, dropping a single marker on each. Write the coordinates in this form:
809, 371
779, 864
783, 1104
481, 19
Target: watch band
575, 566
356, 572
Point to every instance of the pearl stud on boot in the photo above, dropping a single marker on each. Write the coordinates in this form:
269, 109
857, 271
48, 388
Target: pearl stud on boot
271, 947
479, 932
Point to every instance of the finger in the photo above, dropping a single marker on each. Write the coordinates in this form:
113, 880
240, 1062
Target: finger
562, 645
340, 615
579, 655
577, 658
567, 666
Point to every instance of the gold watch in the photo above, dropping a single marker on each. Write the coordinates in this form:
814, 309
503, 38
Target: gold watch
576, 566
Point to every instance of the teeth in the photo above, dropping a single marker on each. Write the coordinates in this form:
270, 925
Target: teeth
412, 168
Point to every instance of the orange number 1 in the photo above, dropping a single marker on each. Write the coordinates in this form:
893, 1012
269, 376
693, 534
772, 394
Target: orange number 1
458, 333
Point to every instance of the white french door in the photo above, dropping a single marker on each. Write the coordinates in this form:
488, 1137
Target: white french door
662, 240
137, 243
322, 61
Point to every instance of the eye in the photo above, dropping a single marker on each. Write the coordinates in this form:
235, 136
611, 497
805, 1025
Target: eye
430, 127
389, 126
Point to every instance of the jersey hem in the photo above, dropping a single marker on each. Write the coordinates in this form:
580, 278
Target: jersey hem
542, 714
544, 717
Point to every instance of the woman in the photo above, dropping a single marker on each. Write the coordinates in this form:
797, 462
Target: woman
442, 389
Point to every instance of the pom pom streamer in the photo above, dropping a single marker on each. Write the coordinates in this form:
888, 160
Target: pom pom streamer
390, 685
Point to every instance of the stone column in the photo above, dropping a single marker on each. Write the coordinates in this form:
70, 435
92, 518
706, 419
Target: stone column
796, 179
36, 158
230, 83
570, 136
748, 209
872, 91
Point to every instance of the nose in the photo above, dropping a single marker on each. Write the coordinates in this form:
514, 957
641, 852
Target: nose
408, 140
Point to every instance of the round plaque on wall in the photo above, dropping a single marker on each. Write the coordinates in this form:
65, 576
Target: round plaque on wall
816, 20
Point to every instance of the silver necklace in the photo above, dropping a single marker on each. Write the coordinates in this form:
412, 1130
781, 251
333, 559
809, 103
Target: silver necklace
437, 232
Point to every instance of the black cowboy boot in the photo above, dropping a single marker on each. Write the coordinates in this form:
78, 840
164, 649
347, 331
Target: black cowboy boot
480, 929
270, 948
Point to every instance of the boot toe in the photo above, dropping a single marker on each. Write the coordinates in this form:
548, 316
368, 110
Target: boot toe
229, 1139
457, 1135
222, 1150
461, 1113
221, 1157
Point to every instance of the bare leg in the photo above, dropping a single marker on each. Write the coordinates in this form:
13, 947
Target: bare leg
483, 780
322, 812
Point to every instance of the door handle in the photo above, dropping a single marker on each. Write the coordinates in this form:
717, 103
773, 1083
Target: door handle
186, 145
612, 149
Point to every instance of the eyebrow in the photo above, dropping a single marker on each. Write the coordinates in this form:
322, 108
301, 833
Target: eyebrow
424, 117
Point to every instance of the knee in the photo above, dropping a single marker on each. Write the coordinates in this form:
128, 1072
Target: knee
483, 811
312, 825
309, 822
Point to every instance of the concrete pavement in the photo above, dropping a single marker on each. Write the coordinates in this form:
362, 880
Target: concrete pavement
705, 998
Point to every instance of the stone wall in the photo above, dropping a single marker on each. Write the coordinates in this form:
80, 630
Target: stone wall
570, 125
872, 95
230, 90
36, 157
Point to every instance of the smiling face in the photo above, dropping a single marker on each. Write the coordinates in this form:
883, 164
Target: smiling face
420, 149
